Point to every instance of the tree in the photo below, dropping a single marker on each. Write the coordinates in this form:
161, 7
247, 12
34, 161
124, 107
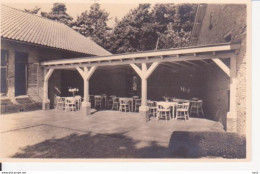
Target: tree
168, 24
93, 24
35, 10
58, 13
174, 24
134, 31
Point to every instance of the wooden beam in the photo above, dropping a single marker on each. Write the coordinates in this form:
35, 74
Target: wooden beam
181, 52
91, 71
223, 66
137, 69
151, 60
204, 61
81, 72
192, 63
48, 74
186, 66
151, 69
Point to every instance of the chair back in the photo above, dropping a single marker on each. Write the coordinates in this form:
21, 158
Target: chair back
196, 104
98, 98
115, 99
183, 106
151, 104
200, 103
78, 97
112, 96
138, 101
123, 101
70, 100
135, 97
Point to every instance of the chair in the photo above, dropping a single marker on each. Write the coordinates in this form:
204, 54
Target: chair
110, 101
104, 100
98, 101
124, 104
59, 103
163, 111
196, 107
115, 104
137, 104
182, 111
152, 108
78, 101
70, 104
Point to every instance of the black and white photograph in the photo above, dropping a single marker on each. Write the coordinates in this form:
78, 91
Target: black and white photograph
125, 81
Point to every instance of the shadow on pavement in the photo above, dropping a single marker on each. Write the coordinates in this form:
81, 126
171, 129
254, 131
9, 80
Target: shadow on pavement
181, 145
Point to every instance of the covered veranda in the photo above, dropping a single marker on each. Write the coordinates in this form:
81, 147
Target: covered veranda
145, 63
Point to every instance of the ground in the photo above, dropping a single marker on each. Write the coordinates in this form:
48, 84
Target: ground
112, 134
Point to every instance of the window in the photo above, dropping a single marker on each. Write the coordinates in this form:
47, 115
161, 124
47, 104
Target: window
21, 60
3, 72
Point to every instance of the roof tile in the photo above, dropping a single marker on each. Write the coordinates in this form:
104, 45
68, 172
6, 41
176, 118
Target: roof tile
21, 26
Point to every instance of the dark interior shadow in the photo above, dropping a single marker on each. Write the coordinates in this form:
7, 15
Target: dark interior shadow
181, 145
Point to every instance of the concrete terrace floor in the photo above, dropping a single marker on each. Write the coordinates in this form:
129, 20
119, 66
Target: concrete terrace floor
104, 134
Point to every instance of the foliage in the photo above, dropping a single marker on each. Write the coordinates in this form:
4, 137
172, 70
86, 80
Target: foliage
58, 13
143, 28
35, 10
168, 24
93, 24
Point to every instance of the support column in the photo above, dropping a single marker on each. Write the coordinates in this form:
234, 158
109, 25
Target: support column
143, 109
86, 74
232, 114
46, 101
144, 75
86, 105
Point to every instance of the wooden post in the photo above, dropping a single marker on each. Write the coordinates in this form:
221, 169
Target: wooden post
232, 114
144, 74
86, 74
46, 101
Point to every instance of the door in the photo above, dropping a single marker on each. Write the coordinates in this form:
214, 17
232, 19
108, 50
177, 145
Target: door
21, 73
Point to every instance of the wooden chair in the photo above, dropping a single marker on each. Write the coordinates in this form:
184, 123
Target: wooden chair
163, 111
196, 107
152, 108
110, 101
124, 104
115, 104
78, 101
98, 101
137, 104
104, 100
70, 104
182, 111
59, 103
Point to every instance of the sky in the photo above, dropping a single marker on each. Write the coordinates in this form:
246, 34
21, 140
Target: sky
75, 9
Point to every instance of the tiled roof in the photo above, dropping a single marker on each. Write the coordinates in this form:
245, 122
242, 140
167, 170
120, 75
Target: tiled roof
25, 27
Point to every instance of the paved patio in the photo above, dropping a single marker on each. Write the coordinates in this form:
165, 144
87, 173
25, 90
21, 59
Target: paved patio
104, 134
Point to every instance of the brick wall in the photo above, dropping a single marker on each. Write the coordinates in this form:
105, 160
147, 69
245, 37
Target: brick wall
36, 54
219, 22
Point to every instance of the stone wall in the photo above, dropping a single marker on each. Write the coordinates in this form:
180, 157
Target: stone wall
224, 23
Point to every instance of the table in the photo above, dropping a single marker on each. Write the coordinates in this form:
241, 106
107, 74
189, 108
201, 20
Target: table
171, 104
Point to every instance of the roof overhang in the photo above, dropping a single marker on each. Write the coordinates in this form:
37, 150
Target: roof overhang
219, 51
